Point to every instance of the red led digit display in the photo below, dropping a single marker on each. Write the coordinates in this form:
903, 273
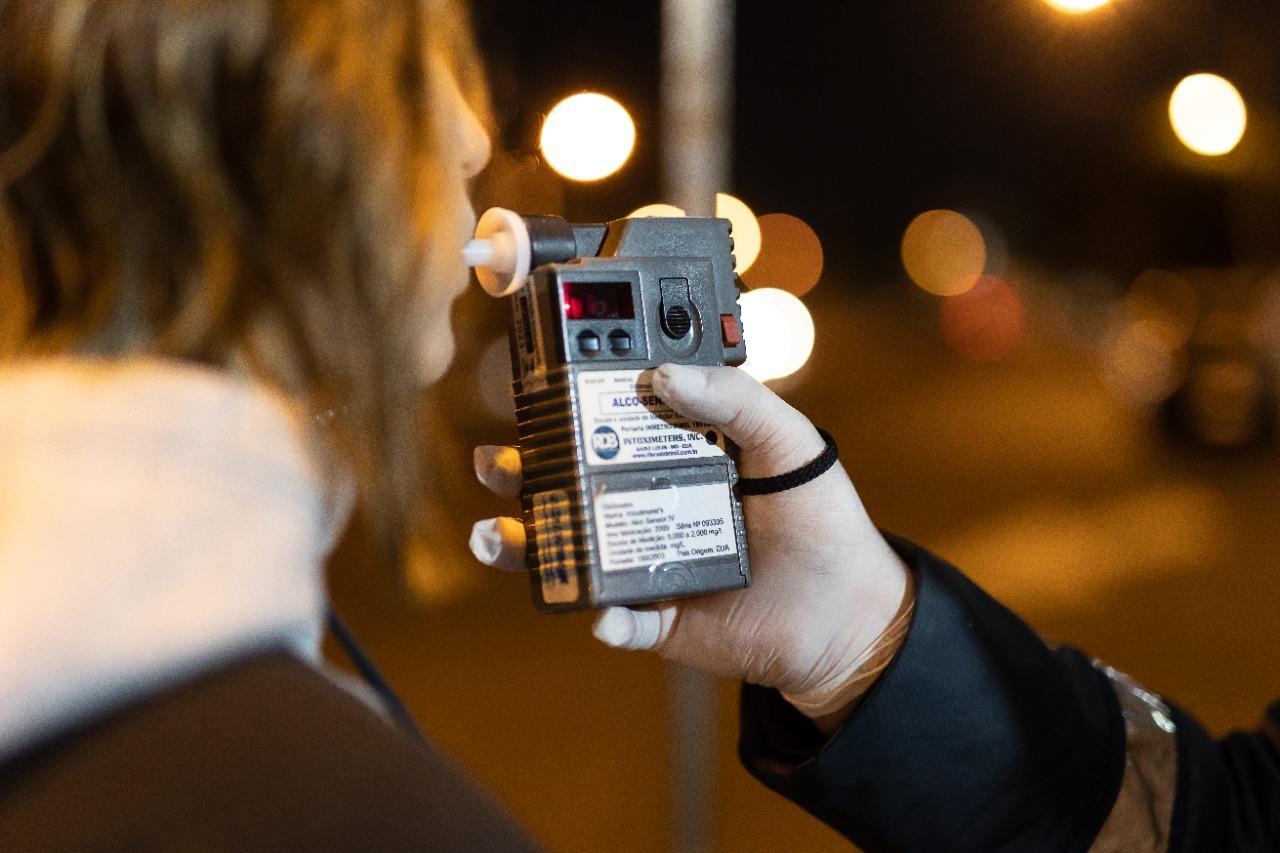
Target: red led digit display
598, 300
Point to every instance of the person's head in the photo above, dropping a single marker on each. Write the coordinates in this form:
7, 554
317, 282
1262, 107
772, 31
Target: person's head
276, 186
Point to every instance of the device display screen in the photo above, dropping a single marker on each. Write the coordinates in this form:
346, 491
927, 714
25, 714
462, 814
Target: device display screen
598, 300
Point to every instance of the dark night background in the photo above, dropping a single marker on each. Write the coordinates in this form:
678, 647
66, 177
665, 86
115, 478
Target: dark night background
857, 116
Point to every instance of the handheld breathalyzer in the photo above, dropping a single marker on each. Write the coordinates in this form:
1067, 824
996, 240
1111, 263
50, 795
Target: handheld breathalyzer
624, 500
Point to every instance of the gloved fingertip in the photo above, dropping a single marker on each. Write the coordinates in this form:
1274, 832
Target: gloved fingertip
482, 460
616, 627
485, 541
498, 469
648, 628
624, 628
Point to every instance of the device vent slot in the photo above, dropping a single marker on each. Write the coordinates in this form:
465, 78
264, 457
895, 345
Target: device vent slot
544, 422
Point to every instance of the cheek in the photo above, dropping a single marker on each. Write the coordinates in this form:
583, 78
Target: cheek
445, 275
442, 282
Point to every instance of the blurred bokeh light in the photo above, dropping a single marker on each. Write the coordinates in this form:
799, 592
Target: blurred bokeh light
493, 380
943, 252
1208, 114
1224, 399
790, 256
1077, 7
1140, 364
746, 228
656, 210
986, 322
587, 136
779, 333
1167, 301
1263, 329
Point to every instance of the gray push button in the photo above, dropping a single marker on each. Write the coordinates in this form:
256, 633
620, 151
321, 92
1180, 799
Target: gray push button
588, 343
619, 341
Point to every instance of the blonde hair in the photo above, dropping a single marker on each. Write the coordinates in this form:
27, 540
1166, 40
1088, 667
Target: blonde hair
226, 182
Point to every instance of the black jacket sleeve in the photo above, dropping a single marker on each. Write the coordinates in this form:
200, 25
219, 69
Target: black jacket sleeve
1228, 790
980, 737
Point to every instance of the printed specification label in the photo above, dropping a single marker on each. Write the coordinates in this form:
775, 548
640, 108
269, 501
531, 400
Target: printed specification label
557, 568
642, 529
623, 421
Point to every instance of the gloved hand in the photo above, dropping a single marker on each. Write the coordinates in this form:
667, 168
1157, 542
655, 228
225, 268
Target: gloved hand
825, 584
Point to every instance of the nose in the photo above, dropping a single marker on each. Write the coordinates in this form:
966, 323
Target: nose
466, 132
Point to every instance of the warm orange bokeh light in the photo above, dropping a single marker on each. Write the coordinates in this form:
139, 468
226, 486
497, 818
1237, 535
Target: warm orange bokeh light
1140, 365
1077, 7
746, 229
943, 252
986, 322
790, 255
1167, 301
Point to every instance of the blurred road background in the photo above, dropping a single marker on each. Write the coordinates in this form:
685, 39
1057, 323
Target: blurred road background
1087, 429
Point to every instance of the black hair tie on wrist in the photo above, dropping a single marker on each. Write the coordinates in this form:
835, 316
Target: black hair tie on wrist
798, 477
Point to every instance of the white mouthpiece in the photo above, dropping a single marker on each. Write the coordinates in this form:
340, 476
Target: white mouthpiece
478, 253
500, 253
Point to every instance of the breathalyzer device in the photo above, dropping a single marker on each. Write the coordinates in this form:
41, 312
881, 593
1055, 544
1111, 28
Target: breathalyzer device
624, 500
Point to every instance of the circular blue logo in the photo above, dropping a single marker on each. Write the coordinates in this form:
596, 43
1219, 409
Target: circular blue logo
605, 442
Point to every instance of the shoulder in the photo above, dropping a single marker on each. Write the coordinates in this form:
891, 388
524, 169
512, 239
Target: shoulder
266, 753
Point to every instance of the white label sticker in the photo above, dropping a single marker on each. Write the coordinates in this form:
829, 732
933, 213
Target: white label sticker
624, 421
557, 567
645, 528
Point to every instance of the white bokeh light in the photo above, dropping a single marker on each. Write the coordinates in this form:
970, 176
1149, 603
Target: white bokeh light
1077, 7
1207, 114
587, 136
779, 333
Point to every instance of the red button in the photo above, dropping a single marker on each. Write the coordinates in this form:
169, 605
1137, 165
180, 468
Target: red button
730, 330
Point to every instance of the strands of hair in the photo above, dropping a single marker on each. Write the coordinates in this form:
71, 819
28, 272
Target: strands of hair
246, 186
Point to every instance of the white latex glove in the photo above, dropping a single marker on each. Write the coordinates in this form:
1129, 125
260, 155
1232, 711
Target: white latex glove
825, 584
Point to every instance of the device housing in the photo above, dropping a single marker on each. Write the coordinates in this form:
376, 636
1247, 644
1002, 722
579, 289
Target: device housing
625, 501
